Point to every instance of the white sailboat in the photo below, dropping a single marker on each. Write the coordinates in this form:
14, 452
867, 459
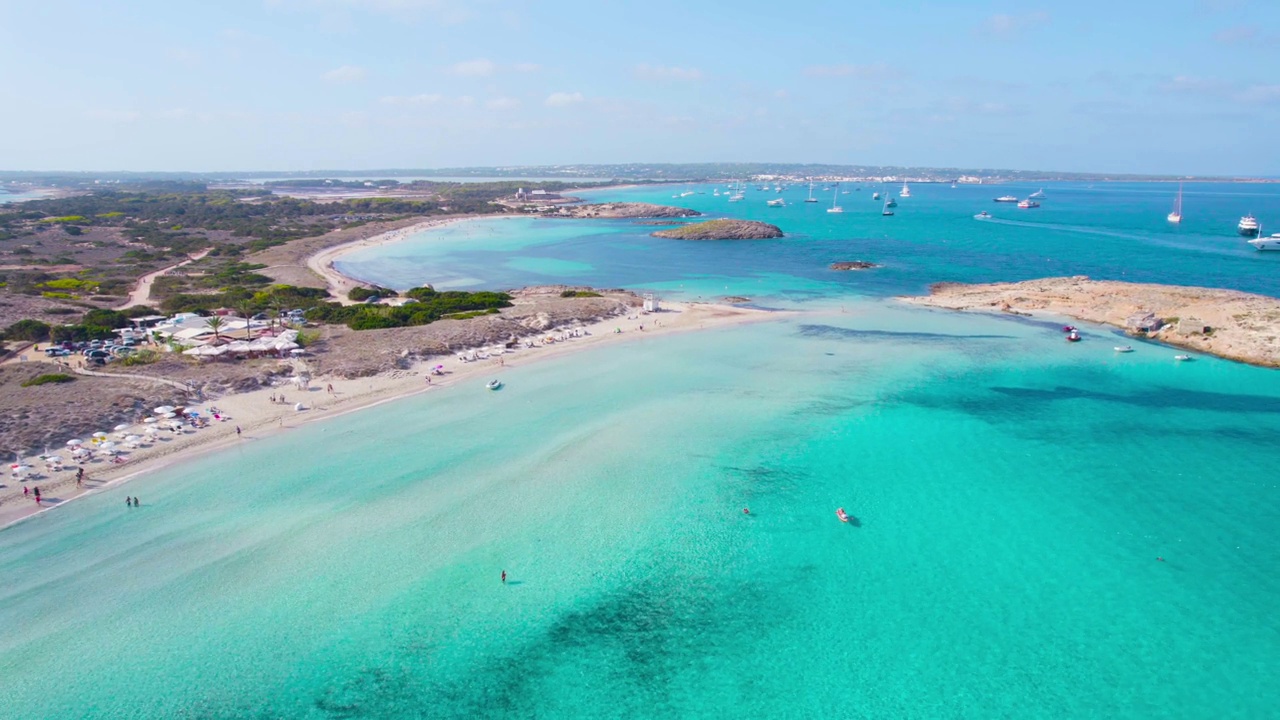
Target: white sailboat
906, 191
834, 198
1037, 195
811, 198
1175, 217
887, 208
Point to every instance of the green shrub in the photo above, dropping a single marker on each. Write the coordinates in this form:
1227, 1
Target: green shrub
64, 219
142, 357
579, 293
30, 330
49, 378
57, 295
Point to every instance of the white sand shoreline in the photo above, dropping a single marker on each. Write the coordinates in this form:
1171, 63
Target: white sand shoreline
259, 419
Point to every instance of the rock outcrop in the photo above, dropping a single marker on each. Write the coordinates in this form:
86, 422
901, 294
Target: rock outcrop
623, 210
853, 265
723, 230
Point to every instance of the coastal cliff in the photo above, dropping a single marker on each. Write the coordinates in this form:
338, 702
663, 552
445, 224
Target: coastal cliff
1227, 323
623, 211
722, 230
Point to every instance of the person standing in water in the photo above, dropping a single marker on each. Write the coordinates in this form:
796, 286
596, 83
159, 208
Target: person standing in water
504, 577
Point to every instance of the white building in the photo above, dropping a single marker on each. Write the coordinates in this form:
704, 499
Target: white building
651, 303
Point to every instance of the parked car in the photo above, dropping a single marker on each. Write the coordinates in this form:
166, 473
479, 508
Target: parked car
56, 352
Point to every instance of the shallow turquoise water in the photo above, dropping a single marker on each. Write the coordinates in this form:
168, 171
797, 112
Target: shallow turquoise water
1012, 494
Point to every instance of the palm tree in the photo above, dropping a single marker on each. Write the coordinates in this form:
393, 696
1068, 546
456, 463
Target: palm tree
215, 324
247, 311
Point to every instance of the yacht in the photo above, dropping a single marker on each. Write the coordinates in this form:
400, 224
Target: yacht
1248, 226
1038, 195
1175, 217
1266, 243
1028, 203
835, 197
775, 203
906, 191
890, 202
887, 209
875, 196
811, 198
1007, 198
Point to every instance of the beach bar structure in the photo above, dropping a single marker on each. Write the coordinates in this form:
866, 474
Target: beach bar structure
651, 303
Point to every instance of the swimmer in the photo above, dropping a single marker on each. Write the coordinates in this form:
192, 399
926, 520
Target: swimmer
504, 576
746, 511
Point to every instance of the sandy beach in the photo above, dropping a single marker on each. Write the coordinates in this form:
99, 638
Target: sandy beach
257, 417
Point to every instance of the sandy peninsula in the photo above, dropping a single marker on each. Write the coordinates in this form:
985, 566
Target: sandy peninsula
1226, 323
348, 370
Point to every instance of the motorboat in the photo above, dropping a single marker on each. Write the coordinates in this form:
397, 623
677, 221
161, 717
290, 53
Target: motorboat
775, 203
844, 516
1028, 203
875, 196
1124, 348
1073, 336
1038, 195
1266, 243
1248, 226
984, 215
1007, 198
1068, 328
890, 202
1182, 358
493, 385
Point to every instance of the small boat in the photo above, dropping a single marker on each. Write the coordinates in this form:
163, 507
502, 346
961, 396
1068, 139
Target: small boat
875, 196
1248, 226
890, 202
775, 203
1073, 336
1028, 203
984, 215
1124, 348
1068, 328
835, 197
1007, 198
493, 385
811, 198
1037, 195
906, 191
887, 209
844, 516
1175, 217
1182, 358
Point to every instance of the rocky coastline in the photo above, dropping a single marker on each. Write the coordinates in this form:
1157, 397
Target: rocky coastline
722, 230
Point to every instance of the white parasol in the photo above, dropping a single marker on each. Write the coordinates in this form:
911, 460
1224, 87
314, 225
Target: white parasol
165, 409
74, 442
120, 427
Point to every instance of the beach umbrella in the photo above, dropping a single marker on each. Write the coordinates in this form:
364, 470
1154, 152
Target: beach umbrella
53, 459
133, 439
107, 447
165, 409
74, 443
152, 430
120, 427
99, 435
169, 415
148, 420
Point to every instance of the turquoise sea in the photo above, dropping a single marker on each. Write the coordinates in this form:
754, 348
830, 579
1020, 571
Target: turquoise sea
1012, 494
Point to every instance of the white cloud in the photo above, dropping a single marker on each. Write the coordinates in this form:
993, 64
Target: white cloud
660, 72
474, 68
1260, 94
344, 75
563, 99
872, 71
1003, 25
502, 103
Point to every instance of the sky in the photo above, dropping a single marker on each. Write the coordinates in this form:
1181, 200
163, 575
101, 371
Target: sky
1171, 86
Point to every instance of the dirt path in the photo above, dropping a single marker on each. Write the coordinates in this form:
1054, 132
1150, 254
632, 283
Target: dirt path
141, 293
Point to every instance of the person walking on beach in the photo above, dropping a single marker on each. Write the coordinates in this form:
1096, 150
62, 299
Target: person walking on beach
329, 389
79, 476
36, 492
237, 431
26, 491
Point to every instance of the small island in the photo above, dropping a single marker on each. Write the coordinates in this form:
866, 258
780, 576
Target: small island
854, 265
1227, 323
723, 230
623, 210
